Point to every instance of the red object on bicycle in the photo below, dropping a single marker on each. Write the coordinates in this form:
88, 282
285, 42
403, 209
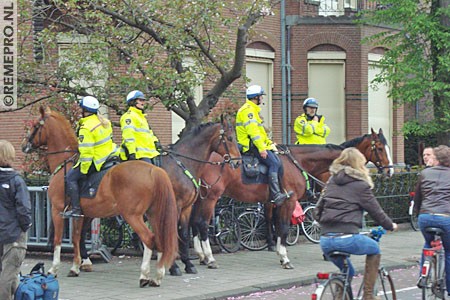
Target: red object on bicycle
436, 244
297, 216
323, 275
412, 194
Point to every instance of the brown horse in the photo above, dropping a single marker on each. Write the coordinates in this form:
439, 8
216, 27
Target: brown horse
218, 181
131, 189
183, 162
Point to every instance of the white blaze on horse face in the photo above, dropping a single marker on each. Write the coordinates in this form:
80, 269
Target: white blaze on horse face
391, 164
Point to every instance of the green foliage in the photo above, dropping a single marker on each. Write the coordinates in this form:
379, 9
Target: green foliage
417, 61
164, 48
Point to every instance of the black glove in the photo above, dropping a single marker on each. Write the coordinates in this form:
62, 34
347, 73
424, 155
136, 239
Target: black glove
132, 156
158, 146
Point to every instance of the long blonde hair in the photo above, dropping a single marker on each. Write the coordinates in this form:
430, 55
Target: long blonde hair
354, 159
7, 153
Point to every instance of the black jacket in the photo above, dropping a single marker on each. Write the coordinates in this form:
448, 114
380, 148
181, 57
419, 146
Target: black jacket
348, 194
433, 191
15, 206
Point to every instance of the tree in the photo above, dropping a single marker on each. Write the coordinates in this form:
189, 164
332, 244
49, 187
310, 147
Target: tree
417, 62
164, 48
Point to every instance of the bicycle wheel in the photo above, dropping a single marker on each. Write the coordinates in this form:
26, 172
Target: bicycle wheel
253, 230
384, 286
293, 234
111, 233
229, 232
414, 222
429, 283
310, 227
332, 290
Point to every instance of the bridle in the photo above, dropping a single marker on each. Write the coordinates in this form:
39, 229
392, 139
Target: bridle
37, 128
374, 152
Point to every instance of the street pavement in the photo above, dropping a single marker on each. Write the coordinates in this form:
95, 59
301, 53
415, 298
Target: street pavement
239, 273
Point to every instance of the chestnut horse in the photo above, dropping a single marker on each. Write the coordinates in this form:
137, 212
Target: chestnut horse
182, 161
218, 181
131, 189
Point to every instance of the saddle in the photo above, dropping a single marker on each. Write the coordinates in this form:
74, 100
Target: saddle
252, 170
89, 186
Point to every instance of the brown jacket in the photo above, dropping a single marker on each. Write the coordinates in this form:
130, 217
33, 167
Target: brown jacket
433, 191
348, 194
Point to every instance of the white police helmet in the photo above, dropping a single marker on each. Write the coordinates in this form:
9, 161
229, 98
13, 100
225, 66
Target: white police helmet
90, 104
135, 95
254, 91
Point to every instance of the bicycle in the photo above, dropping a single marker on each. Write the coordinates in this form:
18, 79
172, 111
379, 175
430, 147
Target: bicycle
413, 217
432, 277
337, 286
224, 228
253, 228
115, 233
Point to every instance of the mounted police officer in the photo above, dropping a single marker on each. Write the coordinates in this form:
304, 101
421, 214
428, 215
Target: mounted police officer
253, 138
310, 127
138, 140
95, 145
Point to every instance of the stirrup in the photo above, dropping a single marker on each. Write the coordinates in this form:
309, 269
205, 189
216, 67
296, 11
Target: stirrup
71, 214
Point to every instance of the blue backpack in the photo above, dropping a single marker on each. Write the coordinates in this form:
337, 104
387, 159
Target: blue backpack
37, 285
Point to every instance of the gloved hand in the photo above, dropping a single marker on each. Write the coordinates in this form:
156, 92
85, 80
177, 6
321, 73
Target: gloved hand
158, 146
132, 156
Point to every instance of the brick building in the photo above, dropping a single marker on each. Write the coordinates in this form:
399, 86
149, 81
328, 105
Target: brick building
324, 58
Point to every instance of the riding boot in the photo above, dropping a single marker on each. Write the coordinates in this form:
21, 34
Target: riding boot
370, 276
74, 195
277, 196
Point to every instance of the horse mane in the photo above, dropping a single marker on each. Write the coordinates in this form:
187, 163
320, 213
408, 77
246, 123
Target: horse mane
382, 138
354, 142
194, 132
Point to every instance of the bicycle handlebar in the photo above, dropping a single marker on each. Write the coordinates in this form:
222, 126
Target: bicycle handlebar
375, 233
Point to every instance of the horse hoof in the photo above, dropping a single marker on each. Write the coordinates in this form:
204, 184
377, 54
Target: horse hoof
213, 265
288, 266
191, 270
87, 268
72, 274
143, 282
175, 272
204, 262
154, 283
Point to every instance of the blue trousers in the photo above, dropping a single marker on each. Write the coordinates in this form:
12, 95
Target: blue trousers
442, 222
272, 162
357, 244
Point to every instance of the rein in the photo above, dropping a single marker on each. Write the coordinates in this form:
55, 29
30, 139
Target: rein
287, 152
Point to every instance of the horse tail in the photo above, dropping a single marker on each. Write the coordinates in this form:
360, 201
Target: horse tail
164, 219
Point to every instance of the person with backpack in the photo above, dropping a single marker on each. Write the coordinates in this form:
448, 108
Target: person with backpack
15, 220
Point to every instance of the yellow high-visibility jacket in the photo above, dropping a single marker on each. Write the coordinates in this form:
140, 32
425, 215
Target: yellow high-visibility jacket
249, 127
309, 131
95, 143
137, 136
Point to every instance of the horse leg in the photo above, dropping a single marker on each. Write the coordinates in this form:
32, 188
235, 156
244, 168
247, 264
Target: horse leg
281, 246
76, 236
204, 246
183, 232
58, 224
269, 215
148, 239
86, 263
160, 272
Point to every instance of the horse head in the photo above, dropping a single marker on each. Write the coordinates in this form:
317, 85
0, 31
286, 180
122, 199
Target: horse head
38, 136
379, 152
227, 145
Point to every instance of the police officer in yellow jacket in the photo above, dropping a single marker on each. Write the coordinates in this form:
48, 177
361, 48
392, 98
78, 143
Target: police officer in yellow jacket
253, 138
310, 127
138, 140
95, 146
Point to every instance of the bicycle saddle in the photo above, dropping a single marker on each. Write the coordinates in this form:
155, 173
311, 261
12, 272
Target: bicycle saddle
434, 230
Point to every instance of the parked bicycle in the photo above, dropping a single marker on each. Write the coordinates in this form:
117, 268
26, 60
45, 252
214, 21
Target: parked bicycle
253, 228
337, 286
115, 233
224, 229
432, 278
413, 218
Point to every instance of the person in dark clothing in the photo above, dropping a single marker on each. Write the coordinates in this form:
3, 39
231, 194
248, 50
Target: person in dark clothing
15, 220
432, 202
340, 212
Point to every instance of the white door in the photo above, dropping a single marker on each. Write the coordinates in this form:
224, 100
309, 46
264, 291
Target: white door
380, 106
260, 73
327, 85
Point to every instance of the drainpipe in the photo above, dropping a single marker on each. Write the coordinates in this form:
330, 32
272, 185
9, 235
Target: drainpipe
283, 71
289, 84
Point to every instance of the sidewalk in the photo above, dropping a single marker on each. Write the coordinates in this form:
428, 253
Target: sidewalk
239, 273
